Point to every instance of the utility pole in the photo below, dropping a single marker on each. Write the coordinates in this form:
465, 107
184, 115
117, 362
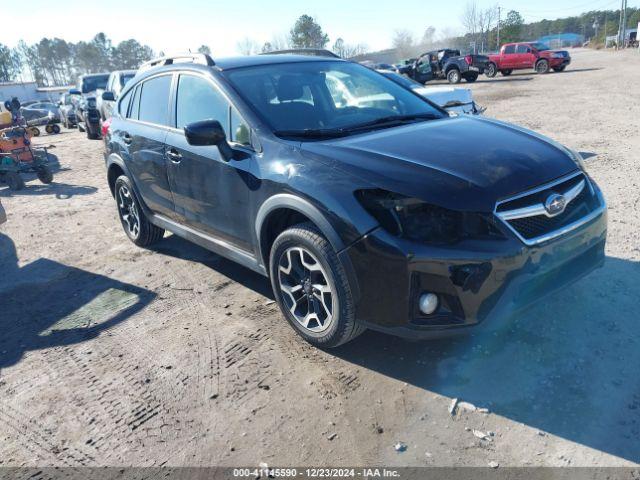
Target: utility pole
498, 36
624, 24
619, 38
605, 29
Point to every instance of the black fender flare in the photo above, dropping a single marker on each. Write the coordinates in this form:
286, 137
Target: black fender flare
303, 206
115, 159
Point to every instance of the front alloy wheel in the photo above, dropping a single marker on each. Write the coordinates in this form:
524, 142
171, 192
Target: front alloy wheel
306, 292
311, 287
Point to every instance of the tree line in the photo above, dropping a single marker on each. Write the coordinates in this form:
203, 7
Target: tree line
58, 62
481, 30
305, 33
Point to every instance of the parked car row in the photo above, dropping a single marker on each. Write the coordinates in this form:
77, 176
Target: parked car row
91, 103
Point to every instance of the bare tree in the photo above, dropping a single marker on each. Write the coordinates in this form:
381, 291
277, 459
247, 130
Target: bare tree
248, 46
478, 23
486, 20
404, 43
280, 42
470, 21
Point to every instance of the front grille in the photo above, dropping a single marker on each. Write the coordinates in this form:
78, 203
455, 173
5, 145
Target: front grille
527, 216
532, 227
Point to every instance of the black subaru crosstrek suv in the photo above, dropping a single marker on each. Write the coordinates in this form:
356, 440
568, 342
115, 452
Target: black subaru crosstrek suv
374, 209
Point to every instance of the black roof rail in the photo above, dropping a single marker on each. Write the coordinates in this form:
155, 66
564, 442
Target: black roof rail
314, 52
200, 58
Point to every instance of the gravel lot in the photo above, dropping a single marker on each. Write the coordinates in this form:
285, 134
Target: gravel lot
115, 355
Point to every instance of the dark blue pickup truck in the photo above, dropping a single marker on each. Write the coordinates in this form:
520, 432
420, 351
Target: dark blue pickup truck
446, 63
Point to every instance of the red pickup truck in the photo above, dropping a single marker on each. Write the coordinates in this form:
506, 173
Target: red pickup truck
518, 56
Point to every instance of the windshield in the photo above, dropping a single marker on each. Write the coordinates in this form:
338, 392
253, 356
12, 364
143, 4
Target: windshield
326, 97
125, 78
89, 84
541, 47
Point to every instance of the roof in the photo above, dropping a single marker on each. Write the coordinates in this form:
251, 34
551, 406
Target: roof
256, 60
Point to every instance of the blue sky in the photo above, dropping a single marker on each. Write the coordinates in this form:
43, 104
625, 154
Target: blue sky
181, 25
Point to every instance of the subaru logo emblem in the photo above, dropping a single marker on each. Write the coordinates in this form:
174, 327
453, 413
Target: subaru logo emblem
555, 204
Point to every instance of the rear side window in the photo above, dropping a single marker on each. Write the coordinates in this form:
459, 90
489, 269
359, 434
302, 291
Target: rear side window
154, 100
523, 49
510, 49
135, 104
124, 103
197, 100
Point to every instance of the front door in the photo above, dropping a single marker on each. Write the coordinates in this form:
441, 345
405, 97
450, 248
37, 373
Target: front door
211, 195
423, 69
144, 136
526, 58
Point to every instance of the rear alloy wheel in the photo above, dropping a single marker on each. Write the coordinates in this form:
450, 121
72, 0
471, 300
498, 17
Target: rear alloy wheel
311, 287
542, 66
453, 76
134, 222
491, 70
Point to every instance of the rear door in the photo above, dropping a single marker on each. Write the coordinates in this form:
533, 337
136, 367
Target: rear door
211, 195
509, 58
144, 135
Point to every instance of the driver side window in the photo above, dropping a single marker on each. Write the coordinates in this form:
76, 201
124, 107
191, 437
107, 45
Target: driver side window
198, 99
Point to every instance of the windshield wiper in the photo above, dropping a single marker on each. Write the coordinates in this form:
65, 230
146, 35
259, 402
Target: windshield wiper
392, 120
312, 133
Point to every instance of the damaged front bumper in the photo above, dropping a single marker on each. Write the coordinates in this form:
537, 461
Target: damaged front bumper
475, 280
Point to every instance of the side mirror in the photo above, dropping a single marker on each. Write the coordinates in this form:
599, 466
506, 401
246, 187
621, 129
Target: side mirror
209, 132
108, 96
75, 91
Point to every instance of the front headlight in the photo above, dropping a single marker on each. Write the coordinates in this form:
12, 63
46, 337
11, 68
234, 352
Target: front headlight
419, 221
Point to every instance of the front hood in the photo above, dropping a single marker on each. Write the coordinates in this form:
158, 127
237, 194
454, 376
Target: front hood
465, 163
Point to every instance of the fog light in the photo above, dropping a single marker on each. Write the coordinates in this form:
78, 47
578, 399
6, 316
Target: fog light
428, 303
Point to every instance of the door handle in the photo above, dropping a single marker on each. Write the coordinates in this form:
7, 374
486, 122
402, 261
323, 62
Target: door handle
174, 155
126, 138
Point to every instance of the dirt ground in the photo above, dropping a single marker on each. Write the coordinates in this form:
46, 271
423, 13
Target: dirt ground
115, 355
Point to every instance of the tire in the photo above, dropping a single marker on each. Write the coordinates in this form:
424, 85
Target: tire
542, 66
14, 180
35, 131
453, 76
471, 77
559, 69
92, 136
45, 175
506, 73
55, 128
131, 214
48, 129
492, 70
303, 246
